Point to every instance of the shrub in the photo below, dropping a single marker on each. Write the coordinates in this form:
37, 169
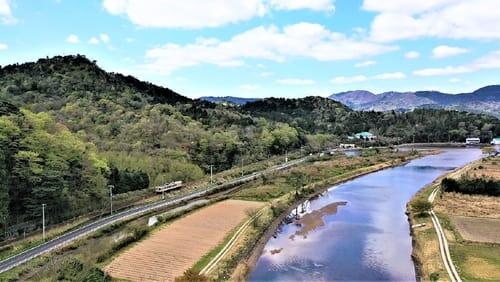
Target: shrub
434, 276
73, 269
482, 186
191, 276
421, 206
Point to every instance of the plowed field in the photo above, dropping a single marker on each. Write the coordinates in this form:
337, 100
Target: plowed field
170, 251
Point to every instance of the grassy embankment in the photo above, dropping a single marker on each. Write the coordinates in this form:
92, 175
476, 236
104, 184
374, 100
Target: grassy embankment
475, 261
280, 194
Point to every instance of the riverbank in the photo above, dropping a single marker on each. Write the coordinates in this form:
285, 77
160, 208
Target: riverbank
473, 260
254, 246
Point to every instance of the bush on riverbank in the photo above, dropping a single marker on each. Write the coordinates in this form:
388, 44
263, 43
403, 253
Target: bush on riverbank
421, 206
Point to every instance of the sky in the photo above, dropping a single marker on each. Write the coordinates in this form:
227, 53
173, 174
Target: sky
263, 48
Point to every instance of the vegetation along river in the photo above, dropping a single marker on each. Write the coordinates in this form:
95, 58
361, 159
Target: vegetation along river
357, 230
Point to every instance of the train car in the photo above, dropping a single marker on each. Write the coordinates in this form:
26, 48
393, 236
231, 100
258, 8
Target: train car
169, 187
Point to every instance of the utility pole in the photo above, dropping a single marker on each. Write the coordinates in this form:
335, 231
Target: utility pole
43, 222
211, 174
241, 166
4, 219
111, 197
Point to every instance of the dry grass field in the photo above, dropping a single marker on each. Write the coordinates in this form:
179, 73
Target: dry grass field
489, 167
469, 205
170, 251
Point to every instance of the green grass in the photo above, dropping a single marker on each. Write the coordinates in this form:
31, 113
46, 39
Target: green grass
487, 252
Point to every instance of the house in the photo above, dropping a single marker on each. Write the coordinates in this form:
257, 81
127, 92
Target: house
365, 136
495, 141
472, 141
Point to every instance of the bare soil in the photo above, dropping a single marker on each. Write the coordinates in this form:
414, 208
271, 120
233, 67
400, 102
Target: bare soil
477, 229
167, 253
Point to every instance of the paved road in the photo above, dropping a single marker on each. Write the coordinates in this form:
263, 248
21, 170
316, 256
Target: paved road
82, 231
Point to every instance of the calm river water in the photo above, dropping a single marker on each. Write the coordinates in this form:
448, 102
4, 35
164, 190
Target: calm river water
357, 230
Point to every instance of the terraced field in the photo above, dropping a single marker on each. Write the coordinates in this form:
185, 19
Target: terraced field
170, 251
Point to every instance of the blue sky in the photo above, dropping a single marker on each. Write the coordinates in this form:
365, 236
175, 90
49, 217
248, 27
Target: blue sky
262, 48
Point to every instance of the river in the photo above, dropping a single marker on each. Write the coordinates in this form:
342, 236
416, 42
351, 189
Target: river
357, 230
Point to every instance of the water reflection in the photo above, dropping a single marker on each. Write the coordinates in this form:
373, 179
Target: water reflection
356, 230
314, 220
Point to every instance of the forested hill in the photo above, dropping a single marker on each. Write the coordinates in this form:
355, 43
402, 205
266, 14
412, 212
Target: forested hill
316, 115
56, 79
68, 129
311, 114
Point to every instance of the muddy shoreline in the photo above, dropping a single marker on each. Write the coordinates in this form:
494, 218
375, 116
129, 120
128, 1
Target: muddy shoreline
259, 248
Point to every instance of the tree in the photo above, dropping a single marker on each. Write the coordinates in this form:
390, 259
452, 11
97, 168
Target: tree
298, 180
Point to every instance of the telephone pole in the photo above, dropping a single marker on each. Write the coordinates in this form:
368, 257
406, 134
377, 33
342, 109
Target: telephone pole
111, 197
211, 174
43, 222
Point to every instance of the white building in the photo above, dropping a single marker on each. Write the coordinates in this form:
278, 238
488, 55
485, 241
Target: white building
472, 141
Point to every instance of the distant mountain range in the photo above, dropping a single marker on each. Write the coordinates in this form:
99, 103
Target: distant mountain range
483, 100
229, 99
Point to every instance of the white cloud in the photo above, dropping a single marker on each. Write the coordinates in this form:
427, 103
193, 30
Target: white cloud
365, 64
444, 51
349, 79
458, 19
6, 16
316, 5
185, 13
129, 39
390, 76
195, 14
94, 40
449, 70
249, 87
266, 74
296, 81
104, 37
73, 39
264, 42
3, 46
489, 61
362, 78
455, 80
412, 55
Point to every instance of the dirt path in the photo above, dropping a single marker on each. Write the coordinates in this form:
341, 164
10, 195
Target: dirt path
443, 243
169, 252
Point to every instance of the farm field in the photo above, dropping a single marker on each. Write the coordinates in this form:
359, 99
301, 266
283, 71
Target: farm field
478, 229
170, 251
